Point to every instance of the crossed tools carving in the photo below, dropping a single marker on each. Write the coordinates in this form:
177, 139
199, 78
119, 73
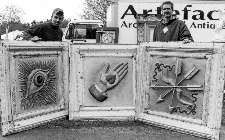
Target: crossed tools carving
176, 87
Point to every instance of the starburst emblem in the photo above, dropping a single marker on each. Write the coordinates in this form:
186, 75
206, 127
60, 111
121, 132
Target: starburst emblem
176, 89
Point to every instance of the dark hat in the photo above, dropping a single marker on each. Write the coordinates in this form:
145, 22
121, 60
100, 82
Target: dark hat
58, 11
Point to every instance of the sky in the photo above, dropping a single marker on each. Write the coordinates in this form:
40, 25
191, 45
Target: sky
42, 9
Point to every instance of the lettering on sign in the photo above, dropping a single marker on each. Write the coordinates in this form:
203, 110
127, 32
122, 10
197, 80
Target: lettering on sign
185, 14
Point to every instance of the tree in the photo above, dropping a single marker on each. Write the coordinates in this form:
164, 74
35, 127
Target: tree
11, 17
33, 23
13, 26
11, 13
65, 23
96, 9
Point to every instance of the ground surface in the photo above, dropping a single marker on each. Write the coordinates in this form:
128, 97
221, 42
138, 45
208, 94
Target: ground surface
80, 130
88, 130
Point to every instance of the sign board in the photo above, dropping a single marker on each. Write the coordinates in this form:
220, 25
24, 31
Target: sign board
34, 88
200, 18
182, 88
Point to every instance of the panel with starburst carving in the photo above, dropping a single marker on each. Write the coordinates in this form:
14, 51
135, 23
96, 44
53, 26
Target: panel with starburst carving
37, 81
35, 84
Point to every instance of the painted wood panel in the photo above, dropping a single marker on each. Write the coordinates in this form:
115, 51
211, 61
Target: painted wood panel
182, 88
89, 65
35, 84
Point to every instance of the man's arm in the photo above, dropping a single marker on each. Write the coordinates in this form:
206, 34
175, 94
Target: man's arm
32, 32
61, 35
154, 37
185, 34
155, 33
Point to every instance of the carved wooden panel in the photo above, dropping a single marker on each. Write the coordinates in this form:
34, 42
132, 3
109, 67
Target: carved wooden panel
105, 79
181, 87
171, 85
177, 85
35, 84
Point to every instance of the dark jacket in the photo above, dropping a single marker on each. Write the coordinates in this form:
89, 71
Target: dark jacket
46, 31
177, 31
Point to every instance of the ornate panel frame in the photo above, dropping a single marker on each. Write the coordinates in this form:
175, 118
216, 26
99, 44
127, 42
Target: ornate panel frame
210, 58
81, 104
33, 69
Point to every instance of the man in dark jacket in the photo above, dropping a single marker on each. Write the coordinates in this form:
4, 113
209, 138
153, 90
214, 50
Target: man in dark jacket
170, 29
49, 31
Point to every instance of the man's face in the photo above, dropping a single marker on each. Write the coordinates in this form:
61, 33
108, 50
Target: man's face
167, 10
56, 19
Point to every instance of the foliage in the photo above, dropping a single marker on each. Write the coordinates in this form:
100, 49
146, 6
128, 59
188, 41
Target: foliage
65, 23
11, 13
13, 26
11, 17
96, 9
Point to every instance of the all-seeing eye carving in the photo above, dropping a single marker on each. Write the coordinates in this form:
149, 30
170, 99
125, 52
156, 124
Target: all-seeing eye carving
37, 80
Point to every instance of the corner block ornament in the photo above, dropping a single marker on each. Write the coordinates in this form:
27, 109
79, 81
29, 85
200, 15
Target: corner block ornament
175, 88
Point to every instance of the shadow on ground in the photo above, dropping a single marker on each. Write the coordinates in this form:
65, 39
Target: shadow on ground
103, 130
98, 130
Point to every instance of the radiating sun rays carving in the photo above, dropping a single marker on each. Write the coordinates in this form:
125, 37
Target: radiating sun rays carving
37, 82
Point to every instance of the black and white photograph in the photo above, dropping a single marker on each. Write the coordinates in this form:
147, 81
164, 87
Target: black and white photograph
112, 69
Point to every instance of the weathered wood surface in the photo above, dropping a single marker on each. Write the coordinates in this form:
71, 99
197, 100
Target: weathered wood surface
171, 114
87, 63
81, 106
35, 87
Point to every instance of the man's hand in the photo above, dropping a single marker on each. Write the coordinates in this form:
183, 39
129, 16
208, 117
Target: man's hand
19, 37
35, 39
186, 40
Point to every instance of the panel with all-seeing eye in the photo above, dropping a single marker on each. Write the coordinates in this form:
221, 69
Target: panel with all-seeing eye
35, 84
